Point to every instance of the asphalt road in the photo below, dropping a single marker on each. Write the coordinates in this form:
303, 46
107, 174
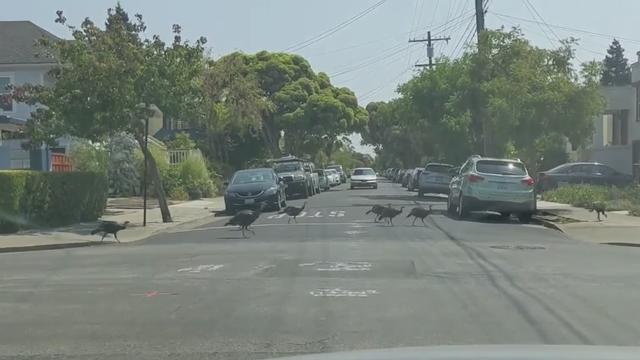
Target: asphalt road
334, 281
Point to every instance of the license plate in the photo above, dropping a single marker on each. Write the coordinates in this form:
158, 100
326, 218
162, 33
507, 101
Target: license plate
502, 187
249, 201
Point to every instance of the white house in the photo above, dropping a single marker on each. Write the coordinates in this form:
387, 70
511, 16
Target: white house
21, 62
616, 140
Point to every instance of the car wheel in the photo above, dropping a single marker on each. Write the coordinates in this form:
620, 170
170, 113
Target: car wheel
351, 187
525, 218
450, 208
504, 215
283, 201
305, 193
375, 186
463, 212
278, 204
421, 194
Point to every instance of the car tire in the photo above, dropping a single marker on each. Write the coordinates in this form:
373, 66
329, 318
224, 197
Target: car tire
421, 194
278, 204
463, 211
525, 218
351, 187
305, 193
375, 186
450, 208
283, 201
504, 215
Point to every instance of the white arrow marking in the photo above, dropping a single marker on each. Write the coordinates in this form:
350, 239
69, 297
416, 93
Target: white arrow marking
332, 214
340, 213
318, 214
276, 216
342, 293
201, 268
302, 214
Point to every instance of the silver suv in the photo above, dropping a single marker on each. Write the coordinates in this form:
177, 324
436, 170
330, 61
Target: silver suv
488, 184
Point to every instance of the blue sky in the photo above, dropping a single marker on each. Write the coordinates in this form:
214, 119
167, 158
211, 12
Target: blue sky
371, 55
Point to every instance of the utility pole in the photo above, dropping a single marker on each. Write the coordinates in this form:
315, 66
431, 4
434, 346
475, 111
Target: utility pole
480, 113
429, 40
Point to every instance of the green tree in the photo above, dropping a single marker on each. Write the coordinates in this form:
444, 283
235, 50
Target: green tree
615, 67
108, 79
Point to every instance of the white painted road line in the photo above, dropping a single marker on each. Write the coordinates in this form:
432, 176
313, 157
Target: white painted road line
337, 292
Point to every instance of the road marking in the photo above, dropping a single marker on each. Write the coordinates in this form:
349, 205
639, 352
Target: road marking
153, 294
276, 216
339, 265
338, 213
353, 232
267, 225
201, 268
337, 292
318, 214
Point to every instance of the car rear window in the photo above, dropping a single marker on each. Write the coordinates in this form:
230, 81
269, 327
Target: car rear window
363, 172
500, 167
441, 169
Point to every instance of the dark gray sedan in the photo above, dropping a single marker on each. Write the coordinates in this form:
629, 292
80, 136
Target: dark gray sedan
581, 173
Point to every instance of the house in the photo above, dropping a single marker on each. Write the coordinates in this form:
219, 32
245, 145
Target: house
616, 140
21, 62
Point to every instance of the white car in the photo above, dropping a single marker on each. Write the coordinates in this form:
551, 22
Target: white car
333, 177
364, 177
485, 184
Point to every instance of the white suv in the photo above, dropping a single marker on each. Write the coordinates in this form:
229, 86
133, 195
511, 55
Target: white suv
487, 184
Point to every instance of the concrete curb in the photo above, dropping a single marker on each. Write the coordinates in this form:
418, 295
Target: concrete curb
547, 223
190, 224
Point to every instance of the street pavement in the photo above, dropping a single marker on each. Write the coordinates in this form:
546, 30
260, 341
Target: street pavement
333, 281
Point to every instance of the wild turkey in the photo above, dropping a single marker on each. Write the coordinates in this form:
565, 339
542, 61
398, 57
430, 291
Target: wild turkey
389, 213
244, 218
419, 213
599, 208
293, 211
377, 210
109, 227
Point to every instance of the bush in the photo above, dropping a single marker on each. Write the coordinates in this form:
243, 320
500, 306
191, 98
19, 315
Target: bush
195, 177
89, 157
32, 199
178, 193
615, 198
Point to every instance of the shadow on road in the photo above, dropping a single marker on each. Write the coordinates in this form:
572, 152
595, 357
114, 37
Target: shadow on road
408, 197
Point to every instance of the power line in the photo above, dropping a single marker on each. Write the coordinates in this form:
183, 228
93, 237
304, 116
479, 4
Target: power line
525, 3
393, 51
303, 44
466, 30
567, 28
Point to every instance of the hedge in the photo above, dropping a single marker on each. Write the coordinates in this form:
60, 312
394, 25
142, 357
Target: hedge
36, 199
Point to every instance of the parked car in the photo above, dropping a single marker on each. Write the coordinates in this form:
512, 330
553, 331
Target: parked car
435, 179
405, 178
487, 184
294, 172
247, 188
333, 177
412, 184
364, 177
341, 172
323, 180
581, 173
398, 177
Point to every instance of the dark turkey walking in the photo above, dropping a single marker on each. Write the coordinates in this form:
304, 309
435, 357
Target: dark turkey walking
293, 211
600, 208
109, 227
389, 213
244, 218
419, 213
377, 210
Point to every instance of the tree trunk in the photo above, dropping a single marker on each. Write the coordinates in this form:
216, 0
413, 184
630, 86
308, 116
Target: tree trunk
157, 181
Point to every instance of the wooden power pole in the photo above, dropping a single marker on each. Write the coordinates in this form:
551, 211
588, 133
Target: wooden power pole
429, 40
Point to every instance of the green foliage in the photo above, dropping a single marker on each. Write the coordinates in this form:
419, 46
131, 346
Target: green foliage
178, 193
124, 170
627, 198
195, 177
511, 98
89, 157
31, 199
182, 141
615, 67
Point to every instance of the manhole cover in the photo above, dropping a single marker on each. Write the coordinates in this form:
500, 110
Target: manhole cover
517, 247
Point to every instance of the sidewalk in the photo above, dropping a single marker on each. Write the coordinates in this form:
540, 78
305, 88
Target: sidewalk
185, 215
577, 223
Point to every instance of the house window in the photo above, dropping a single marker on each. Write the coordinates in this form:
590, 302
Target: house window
615, 128
6, 103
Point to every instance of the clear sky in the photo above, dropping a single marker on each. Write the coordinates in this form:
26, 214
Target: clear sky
371, 55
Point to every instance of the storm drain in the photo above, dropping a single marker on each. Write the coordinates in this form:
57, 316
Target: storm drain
517, 247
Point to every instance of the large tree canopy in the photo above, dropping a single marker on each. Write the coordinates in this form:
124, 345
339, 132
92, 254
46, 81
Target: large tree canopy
108, 78
524, 94
615, 67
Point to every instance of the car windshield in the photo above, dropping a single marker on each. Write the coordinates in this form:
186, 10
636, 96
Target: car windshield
254, 179
497, 167
250, 177
363, 172
288, 167
437, 168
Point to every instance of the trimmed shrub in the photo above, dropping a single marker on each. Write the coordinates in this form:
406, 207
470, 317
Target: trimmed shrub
33, 199
195, 177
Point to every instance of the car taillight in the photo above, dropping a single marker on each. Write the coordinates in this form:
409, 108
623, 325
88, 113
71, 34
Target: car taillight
473, 178
528, 181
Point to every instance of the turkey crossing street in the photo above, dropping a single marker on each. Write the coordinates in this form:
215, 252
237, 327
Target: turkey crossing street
333, 281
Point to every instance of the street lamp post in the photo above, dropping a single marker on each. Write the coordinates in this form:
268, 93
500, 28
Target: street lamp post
144, 175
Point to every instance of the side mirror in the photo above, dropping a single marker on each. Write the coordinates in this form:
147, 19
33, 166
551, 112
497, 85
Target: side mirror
226, 183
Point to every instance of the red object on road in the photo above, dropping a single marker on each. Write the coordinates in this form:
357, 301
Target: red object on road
60, 163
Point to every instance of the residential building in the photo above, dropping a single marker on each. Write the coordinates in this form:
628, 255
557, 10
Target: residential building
21, 62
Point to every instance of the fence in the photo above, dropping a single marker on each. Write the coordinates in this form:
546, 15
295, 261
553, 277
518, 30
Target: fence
60, 163
178, 156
